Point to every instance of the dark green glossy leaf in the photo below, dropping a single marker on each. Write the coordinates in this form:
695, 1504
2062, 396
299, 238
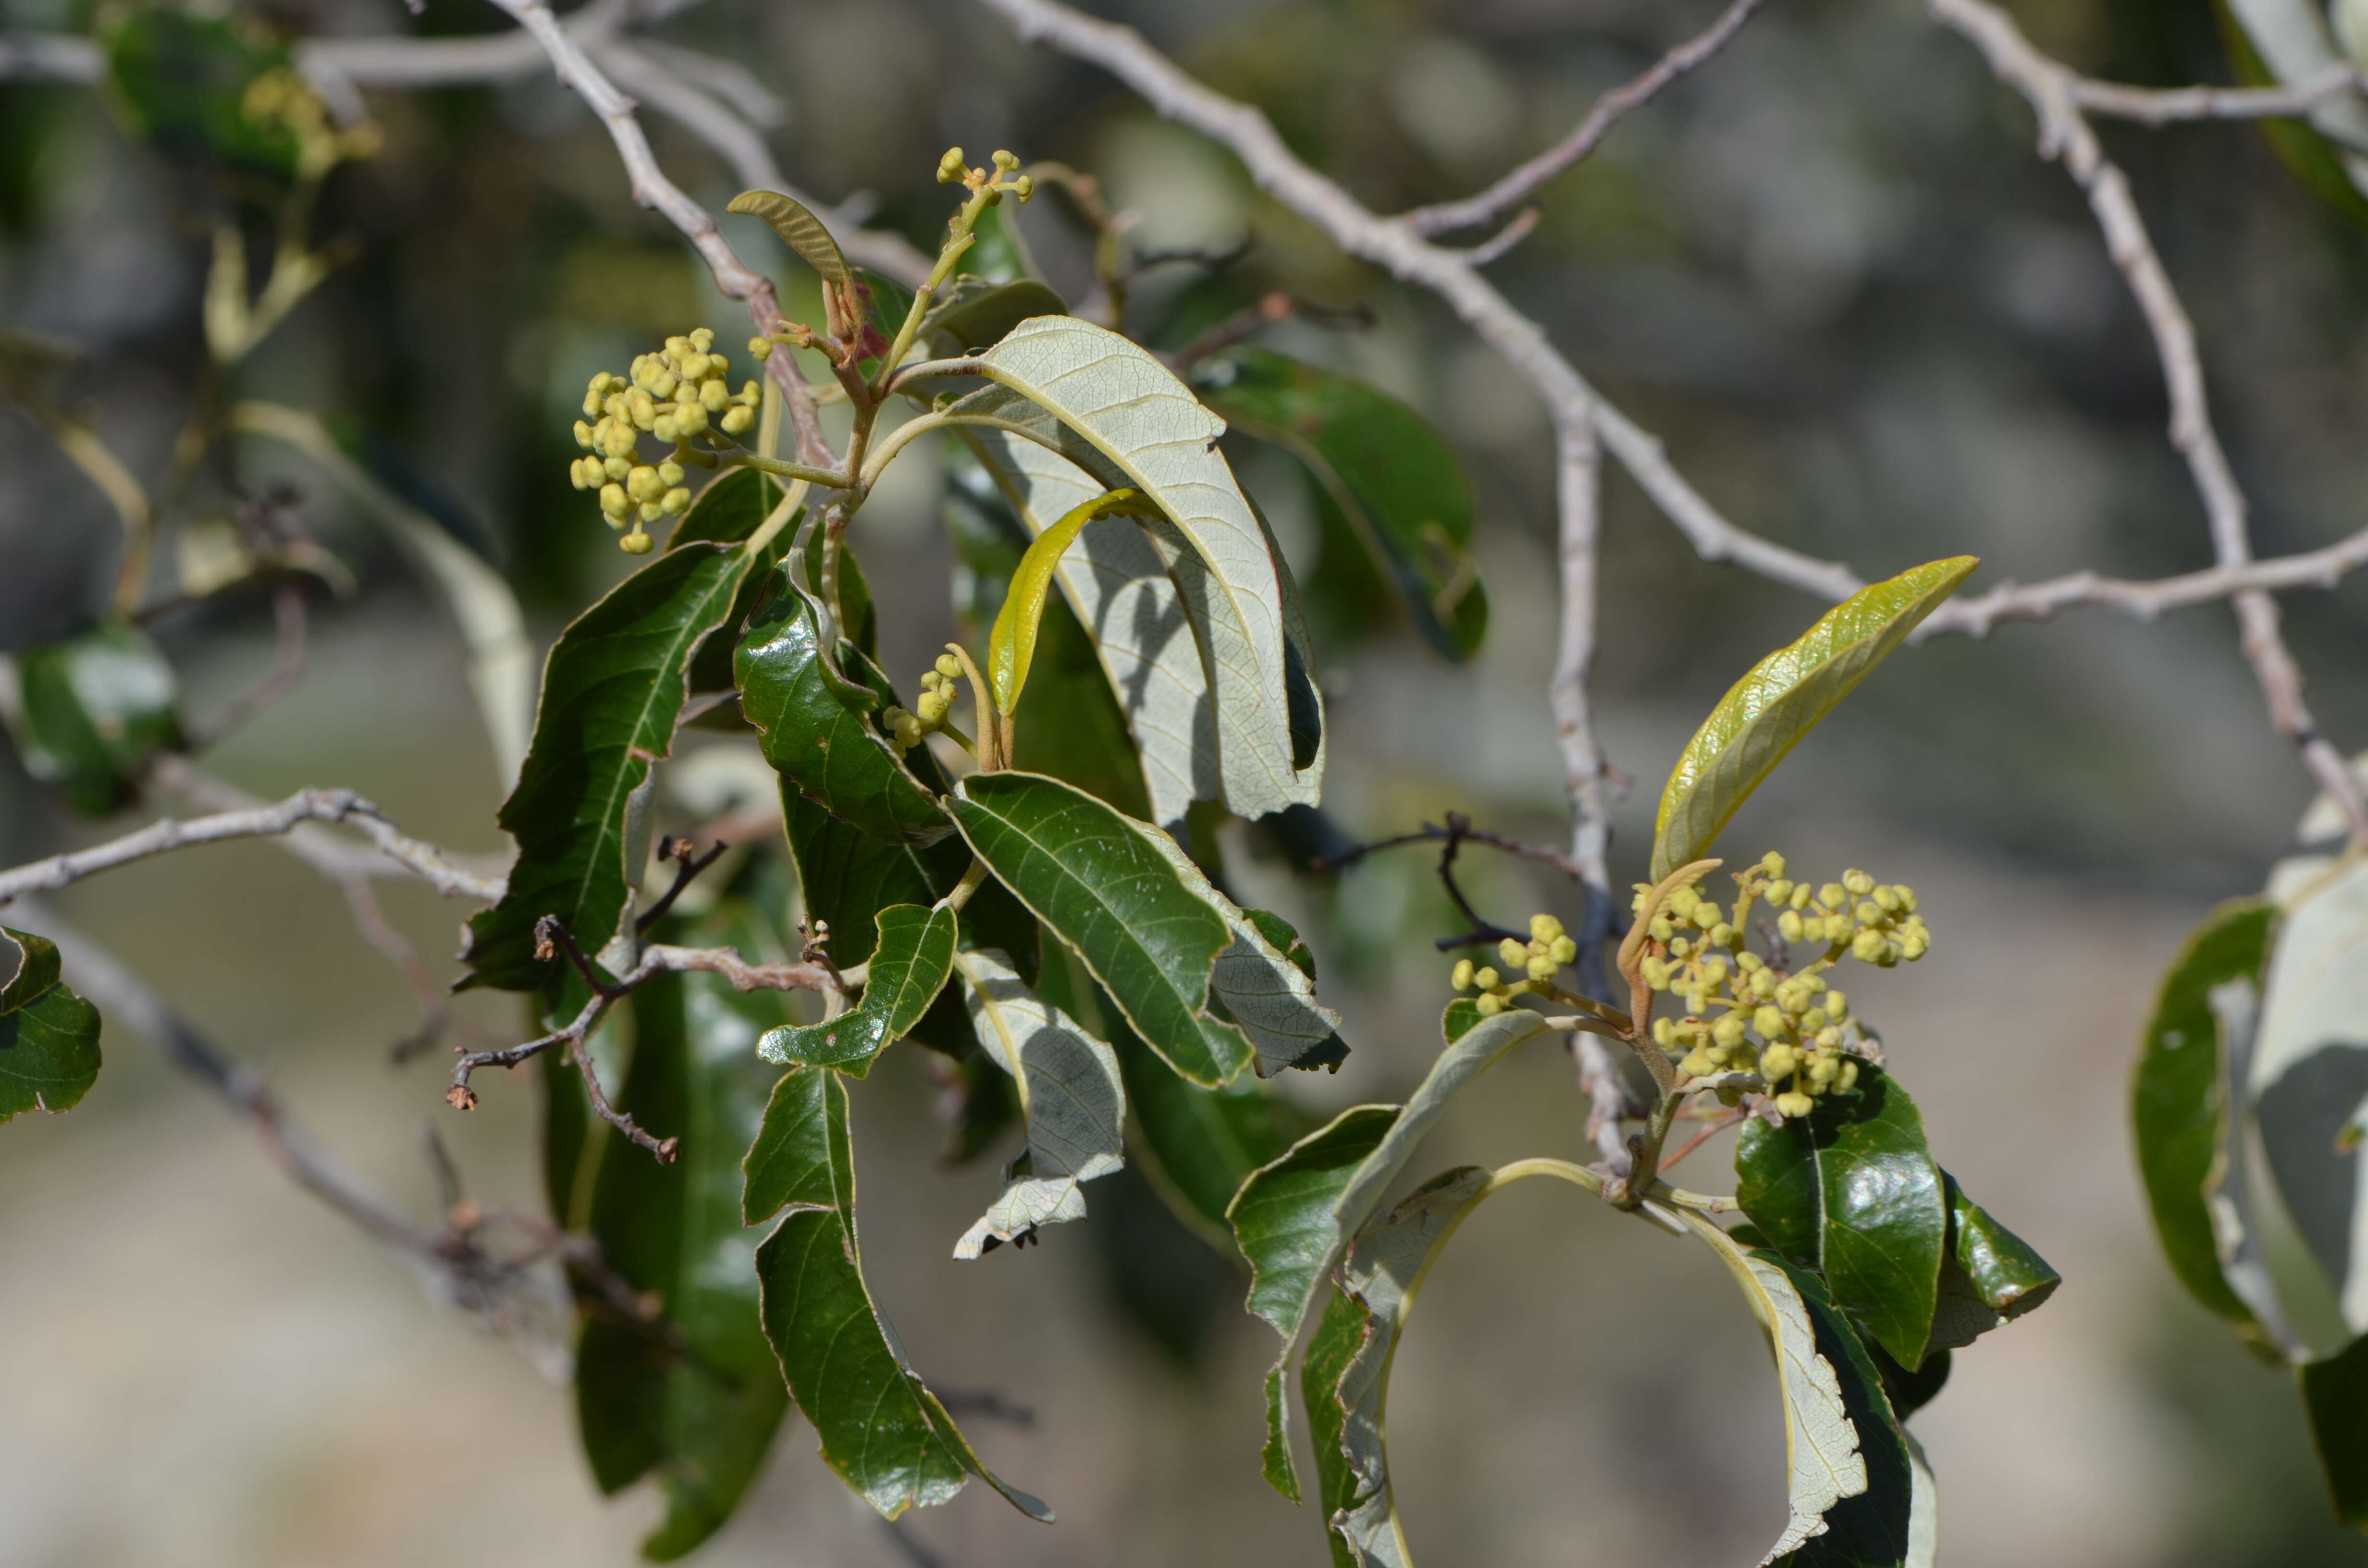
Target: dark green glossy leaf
1855, 1176
2176, 1096
49, 1053
910, 960
881, 1428
29, 968
694, 1395
727, 511
1911, 1391
1124, 897
1394, 478
179, 79
790, 688
1989, 1276
974, 314
1780, 699
93, 710
613, 691
2335, 1391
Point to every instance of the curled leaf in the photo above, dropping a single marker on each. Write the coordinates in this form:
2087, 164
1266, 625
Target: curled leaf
1012, 646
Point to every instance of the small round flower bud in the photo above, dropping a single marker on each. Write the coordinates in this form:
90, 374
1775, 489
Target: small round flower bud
1660, 929
1886, 900
1004, 160
1698, 1066
1749, 962
703, 338
1847, 1079
950, 167
1682, 902
1679, 946
694, 367
760, 348
1541, 967
1665, 1033
736, 420
613, 500
1866, 946
1795, 1105
1024, 186
908, 731
1722, 935
1778, 890
690, 419
1828, 1037
1488, 1006
1772, 863
1788, 925
1562, 950
1545, 927
1858, 883
1813, 1020
648, 512
715, 396
1461, 977
1656, 972
1705, 915
1833, 895
674, 501
1728, 1031
1868, 912
1837, 1005
669, 473
1906, 896
583, 434
1822, 1069
1777, 1062
636, 543
1769, 1021
1514, 952
642, 407
1486, 979
615, 468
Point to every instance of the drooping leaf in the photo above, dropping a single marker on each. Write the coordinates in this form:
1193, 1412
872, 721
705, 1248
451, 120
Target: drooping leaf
1852, 1191
791, 689
1989, 1276
1339, 1336
1879, 1527
1070, 1094
1380, 1275
92, 710
1146, 423
2309, 1072
613, 691
1012, 646
1300, 1244
1119, 588
29, 968
1070, 849
2177, 1105
1394, 478
2335, 1392
49, 1045
179, 79
1780, 699
694, 1393
973, 313
1829, 1389
881, 1428
910, 960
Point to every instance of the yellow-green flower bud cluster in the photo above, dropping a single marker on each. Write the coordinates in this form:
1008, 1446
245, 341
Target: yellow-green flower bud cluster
1743, 1014
284, 98
1529, 967
953, 170
929, 709
677, 394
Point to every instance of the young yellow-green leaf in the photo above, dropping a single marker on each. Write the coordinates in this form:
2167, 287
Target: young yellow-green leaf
2176, 1099
881, 1429
801, 231
49, 1050
1780, 699
29, 968
1112, 888
1394, 478
792, 690
1070, 1094
1120, 592
909, 965
93, 710
1294, 1219
1852, 1191
612, 691
2335, 1392
1012, 646
1142, 419
694, 1395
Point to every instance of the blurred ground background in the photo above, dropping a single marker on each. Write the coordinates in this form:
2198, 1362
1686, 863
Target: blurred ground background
1870, 324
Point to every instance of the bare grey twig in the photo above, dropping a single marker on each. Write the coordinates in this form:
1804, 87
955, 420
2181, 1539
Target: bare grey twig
1445, 217
2065, 136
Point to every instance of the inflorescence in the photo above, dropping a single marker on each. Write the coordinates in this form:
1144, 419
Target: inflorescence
679, 394
1746, 1014
929, 709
